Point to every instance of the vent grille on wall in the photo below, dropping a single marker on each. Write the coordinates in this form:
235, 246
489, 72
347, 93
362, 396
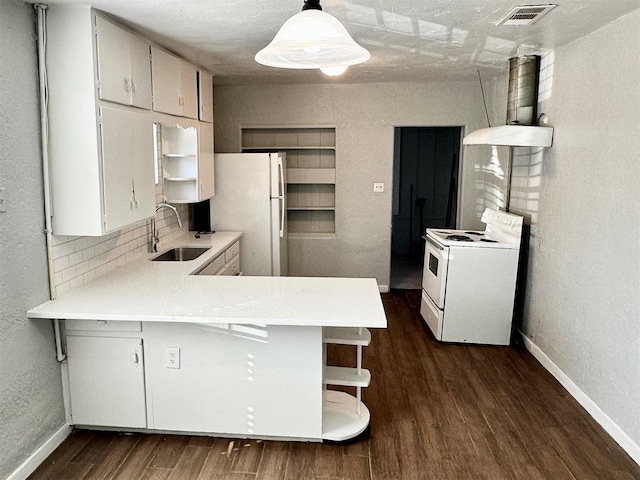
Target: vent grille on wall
525, 14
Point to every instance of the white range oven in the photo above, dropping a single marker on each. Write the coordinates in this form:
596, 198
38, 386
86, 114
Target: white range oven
469, 280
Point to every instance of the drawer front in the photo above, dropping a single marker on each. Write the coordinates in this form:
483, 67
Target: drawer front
231, 252
213, 267
432, 315
102, 326
232, 268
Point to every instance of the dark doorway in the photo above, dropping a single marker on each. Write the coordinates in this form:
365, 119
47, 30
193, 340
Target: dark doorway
425, 195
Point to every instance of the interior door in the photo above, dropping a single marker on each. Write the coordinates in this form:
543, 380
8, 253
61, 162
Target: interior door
425, 184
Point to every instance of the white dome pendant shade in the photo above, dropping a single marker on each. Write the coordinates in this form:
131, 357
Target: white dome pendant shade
312, 39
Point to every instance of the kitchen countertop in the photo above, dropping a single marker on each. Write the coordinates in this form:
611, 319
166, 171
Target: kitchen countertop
168, 292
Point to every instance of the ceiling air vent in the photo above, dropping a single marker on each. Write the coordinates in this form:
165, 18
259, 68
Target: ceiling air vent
525, 14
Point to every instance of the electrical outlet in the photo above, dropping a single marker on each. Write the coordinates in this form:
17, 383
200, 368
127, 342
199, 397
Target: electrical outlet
172, 357
378, 188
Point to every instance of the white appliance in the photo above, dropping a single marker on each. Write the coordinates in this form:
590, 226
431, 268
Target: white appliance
469, 280
251, 197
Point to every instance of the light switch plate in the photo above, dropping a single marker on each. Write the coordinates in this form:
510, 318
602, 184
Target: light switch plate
378, 187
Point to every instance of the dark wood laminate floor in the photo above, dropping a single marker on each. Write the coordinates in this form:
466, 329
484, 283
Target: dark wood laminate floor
438, 412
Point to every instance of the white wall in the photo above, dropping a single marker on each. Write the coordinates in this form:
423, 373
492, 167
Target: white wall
583, 295
31, 407
364, 116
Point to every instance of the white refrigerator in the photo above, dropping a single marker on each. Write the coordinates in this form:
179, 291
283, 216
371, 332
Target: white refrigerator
251, 197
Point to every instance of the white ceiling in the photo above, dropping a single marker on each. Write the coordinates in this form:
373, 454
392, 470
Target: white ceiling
409, 40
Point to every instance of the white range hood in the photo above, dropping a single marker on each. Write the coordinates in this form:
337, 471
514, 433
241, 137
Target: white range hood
511, 136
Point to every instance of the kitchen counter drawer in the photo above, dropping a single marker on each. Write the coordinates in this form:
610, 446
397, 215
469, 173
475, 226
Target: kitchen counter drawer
232, 268
232, 251
213, 267
227, 263
102, 326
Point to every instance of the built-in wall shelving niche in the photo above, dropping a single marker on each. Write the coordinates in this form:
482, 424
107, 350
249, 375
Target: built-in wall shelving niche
311, 172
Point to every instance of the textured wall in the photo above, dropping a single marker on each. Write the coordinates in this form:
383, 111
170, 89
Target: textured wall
364, 117
583, 302
31, 407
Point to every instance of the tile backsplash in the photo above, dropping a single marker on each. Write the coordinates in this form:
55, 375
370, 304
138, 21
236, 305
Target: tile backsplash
78, 260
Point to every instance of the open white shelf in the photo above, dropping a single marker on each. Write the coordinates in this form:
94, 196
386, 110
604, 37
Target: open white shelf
311, 175
346, 376
285, 147
347, 335
340, 420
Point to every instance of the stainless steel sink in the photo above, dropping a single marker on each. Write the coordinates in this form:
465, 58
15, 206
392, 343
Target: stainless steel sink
180, 254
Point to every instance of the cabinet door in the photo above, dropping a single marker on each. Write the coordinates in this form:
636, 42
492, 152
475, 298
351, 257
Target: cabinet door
106, 381
188, 90
143, 166
114, 62
117, 178
127, 167
205, 96
124, 66
166, 82
205, 161
140, 73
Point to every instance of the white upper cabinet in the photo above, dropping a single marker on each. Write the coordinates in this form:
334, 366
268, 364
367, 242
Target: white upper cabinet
205, 96
175, 85
124, 65
127, 164
101, 163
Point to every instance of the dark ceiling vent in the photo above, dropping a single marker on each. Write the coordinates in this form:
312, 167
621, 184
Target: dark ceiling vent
525, 14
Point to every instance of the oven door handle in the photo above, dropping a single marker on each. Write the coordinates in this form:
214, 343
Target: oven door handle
433, 243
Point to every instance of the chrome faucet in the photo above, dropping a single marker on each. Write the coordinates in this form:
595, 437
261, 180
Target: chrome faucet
153, 245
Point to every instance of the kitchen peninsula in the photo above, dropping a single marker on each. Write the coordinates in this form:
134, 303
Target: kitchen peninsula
153, 346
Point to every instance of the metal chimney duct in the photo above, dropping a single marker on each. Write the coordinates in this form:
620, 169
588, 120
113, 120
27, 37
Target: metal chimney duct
522, 128
522, 99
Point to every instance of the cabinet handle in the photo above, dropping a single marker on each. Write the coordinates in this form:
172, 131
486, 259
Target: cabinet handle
126, 85
136, 358
133, 87
131, 206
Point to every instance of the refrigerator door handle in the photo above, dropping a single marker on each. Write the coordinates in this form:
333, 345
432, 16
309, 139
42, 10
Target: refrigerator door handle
284, 208
281, 194
282, 185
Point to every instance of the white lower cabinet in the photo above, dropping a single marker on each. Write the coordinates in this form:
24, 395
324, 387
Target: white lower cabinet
247, 380
227, 263
241, 380
106, 381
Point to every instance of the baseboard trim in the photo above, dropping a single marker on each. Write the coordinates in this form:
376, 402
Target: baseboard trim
41, 454
621, 438
383, 288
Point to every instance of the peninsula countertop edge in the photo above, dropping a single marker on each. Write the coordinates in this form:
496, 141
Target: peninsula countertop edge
149, 291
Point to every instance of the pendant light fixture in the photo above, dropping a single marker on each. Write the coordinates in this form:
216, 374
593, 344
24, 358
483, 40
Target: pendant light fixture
312, 39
